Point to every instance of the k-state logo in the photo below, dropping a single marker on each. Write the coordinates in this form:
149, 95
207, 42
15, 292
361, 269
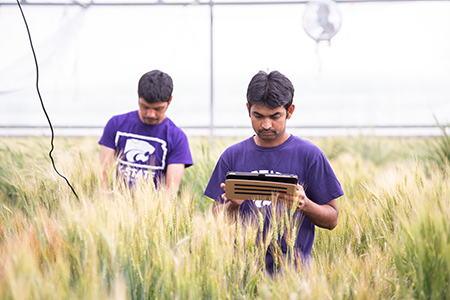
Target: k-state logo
138, 151
142, 151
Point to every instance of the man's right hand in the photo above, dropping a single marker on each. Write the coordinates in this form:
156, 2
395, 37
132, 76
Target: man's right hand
230, 208
233, 201
106, 159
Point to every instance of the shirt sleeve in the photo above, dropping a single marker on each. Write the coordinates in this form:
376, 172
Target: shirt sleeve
322, 186
180, 152
213, 189
109, 134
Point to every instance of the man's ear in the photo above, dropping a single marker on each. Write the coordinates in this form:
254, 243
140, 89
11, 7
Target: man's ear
290, 111
248, 108
170, 100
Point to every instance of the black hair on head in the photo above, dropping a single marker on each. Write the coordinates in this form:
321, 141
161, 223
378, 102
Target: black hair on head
155, 86
272, 90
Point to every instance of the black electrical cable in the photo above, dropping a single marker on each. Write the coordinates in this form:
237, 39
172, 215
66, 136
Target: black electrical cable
42, 103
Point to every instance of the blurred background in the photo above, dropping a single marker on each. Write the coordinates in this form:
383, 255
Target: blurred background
385, 72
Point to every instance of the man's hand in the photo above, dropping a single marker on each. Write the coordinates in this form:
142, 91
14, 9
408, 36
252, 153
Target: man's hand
230, 208
106, 159
325, 216
299, 199
224, 197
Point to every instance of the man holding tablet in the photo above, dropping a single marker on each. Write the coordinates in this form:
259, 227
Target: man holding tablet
274, 151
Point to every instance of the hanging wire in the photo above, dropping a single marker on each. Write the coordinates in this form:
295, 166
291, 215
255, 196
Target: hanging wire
42, 103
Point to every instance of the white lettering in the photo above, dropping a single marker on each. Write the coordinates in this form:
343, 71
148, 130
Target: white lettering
261, 203
134, 173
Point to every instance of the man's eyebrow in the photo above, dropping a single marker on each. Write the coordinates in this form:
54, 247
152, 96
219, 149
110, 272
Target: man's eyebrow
270, 116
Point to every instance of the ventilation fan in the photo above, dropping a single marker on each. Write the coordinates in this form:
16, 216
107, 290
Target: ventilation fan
321, 19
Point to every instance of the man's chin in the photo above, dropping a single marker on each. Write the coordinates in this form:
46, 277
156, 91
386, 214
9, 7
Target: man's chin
267, 137
151, 121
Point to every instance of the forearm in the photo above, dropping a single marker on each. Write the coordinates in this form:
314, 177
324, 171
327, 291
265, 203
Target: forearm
172, 185
104, 178
174, 175
325, 216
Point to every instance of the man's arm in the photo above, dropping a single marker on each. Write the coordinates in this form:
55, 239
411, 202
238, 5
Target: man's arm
106, 158
325, 216
174, 174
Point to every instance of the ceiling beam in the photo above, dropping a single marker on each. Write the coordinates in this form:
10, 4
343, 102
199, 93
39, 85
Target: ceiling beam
194, 2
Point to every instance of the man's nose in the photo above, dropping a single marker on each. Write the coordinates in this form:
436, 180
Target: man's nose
266, 125
150, 113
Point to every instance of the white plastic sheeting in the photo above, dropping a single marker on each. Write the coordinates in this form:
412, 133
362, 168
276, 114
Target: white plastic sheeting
388, 65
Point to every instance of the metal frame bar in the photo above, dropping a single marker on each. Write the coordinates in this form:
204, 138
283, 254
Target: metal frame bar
234, 127
210, 3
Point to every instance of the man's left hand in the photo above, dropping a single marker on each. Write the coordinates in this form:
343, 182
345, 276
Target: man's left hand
299, 199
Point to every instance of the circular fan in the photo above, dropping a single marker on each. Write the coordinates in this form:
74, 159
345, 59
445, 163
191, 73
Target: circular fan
321, 19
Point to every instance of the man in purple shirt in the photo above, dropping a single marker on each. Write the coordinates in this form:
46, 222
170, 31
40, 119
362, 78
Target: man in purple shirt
273, 150
147, 144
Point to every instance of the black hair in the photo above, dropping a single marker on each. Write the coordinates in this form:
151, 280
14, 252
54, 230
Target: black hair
155, 86
272, 90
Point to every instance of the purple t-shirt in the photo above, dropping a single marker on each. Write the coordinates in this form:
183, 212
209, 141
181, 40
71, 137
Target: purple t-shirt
294, 156
145, 150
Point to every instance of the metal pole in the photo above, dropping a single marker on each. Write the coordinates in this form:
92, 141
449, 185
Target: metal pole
211, 75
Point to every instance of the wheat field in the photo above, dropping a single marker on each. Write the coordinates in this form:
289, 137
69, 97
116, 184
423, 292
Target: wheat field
392, 240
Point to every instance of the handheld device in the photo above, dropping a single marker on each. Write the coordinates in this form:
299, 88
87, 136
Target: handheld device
254, 186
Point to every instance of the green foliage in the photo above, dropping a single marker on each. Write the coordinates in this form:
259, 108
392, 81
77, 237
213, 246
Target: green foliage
392, 241
379, 151
205, 153
423, 261
437, 149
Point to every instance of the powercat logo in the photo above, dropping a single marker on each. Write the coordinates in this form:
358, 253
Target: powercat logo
138, 151
141, 155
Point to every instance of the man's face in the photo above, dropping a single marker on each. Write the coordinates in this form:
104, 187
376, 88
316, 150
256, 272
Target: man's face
152, 113
269, 124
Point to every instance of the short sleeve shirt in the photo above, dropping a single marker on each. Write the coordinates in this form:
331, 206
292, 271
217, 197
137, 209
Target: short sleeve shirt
144, 151
294, 156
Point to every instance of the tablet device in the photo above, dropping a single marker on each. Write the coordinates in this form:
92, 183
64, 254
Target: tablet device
255, 186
